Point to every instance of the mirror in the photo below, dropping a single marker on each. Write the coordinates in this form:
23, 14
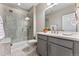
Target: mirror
63, 15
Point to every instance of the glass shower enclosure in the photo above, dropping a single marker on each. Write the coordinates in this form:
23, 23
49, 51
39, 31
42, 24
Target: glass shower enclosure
15, 28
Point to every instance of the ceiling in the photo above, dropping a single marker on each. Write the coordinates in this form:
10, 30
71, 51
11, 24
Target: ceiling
58, 7
24, 6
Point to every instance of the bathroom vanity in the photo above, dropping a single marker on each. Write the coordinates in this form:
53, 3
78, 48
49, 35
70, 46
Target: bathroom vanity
52, 44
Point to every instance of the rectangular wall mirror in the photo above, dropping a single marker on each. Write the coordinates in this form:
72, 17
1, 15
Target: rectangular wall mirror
63, 15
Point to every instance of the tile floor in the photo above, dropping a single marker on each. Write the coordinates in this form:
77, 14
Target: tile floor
26, 51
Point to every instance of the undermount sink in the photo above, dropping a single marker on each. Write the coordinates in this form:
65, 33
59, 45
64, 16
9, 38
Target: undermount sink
68, 34
71, 34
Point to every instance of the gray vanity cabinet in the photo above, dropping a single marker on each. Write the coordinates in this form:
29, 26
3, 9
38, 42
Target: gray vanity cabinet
55, 46
56, 50
59, 47
42, 45
52, 49
76, 48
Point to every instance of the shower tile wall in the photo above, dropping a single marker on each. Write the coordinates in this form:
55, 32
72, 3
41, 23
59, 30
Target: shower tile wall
30, 25
11, 25
13, 22
30, 29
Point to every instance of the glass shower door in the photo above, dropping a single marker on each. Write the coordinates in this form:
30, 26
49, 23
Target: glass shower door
11, 26
15, 27
21, 29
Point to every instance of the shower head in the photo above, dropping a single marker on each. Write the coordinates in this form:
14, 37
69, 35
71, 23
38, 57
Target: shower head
27, 18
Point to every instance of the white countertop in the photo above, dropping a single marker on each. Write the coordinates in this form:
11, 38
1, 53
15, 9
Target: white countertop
70, 35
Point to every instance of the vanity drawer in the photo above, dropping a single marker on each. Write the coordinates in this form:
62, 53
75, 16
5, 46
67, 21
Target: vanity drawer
42, 37
62, 42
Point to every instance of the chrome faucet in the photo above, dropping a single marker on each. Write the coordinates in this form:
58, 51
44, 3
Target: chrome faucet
54, 29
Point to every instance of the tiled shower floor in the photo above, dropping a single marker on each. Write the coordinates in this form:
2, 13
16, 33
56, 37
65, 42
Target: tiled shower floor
26, 51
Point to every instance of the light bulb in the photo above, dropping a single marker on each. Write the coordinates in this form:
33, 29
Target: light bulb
48, 4
19, 3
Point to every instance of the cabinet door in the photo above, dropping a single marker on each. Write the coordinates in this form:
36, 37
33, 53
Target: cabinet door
42, 47
60, 41
55, 50
76, 48
52, 49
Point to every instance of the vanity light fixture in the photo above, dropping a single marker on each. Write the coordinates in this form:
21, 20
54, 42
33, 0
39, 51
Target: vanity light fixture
19, 4
51, 5
48, 4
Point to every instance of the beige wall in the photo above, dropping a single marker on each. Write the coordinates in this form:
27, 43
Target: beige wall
40, 17
34, 21
56, 17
